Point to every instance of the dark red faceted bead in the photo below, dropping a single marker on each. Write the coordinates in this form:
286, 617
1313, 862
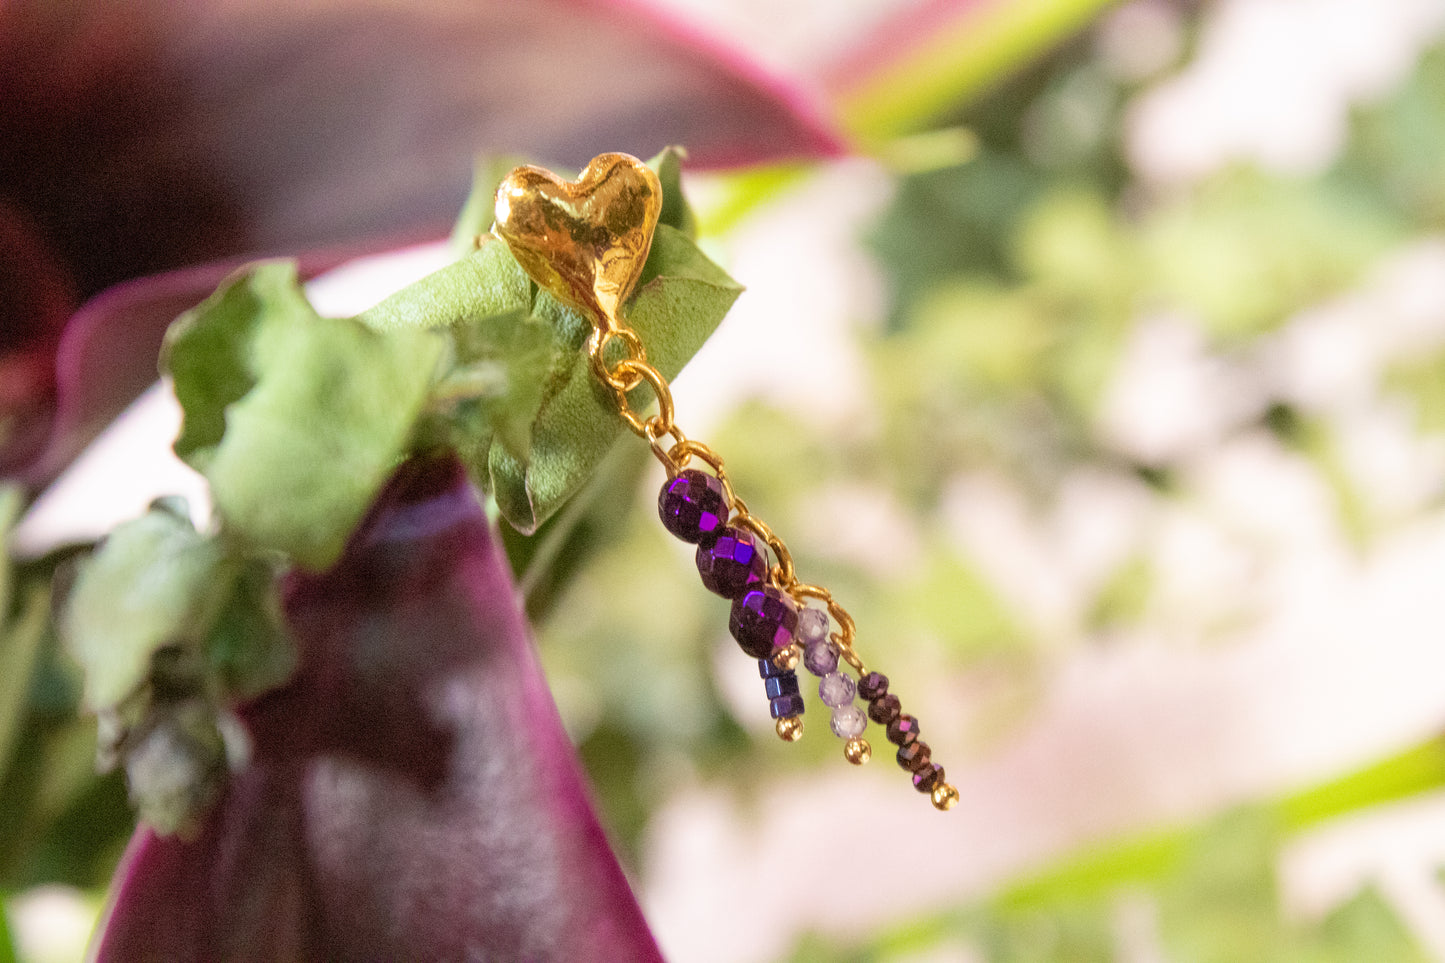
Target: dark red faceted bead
693, 506
903, 731
926, 778
884, 709
731, 563
872, 685
763, 620
915, 756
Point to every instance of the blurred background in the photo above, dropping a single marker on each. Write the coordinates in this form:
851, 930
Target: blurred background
1104, 384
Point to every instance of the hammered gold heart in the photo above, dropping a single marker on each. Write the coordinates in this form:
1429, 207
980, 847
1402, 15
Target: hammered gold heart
585, 241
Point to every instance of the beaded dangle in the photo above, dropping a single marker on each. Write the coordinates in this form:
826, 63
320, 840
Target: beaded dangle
586, 242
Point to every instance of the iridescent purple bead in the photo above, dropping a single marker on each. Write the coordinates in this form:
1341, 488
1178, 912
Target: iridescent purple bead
915, 756
884, 709
836, 689
731, 563
763, 620
693, 506
925, 778
903, 730
872, 685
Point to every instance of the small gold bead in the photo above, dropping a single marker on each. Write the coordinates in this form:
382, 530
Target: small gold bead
945, 797
786, 659
790, 728
857, 751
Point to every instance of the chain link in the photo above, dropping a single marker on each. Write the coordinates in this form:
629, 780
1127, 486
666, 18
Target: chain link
632, 372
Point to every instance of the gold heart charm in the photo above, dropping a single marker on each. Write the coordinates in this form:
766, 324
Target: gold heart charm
585, 241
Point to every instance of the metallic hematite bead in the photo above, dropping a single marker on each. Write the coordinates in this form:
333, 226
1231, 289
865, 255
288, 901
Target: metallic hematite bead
763, 620
693, 506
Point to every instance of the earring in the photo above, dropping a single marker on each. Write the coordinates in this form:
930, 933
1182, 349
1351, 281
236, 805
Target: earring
586, 242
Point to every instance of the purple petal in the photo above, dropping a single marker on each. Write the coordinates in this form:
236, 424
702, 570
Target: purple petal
105, 357
411, 795
144, 137
140, 139
35, 290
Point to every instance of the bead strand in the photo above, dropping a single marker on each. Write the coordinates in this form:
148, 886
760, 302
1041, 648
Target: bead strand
593, 264
773, 627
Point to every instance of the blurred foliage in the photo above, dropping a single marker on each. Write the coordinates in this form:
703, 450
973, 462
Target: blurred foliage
1017, 279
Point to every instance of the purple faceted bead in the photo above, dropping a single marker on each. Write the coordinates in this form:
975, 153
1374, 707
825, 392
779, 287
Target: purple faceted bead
903, 730
820, 658
693, 506
884, 709
786, 706
731, 563
849, 721
763, 620
836, 689
872, 686
927, 776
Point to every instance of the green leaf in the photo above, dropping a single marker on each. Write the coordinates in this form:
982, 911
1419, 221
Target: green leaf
681, 298
248, 649
7, 944
21, 632
502, 366
11, 503
295, 420
475, 220
488, 281
153, 583
487, 302
675, 210
20, 649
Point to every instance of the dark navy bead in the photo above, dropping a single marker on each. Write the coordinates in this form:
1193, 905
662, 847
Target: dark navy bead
693, 506
767, 669
781, 685
731, 562
785, 706
763, 620
872, 685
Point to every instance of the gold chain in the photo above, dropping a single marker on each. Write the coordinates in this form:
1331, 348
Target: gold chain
631, 373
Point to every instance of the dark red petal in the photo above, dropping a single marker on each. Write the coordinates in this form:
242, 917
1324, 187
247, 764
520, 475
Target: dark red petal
412, 795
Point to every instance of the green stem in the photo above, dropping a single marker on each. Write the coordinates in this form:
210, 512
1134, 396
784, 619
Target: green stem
958, 60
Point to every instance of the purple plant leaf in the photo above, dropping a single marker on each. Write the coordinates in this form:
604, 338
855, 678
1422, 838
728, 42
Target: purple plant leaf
104, 357
145, 137
411, 793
